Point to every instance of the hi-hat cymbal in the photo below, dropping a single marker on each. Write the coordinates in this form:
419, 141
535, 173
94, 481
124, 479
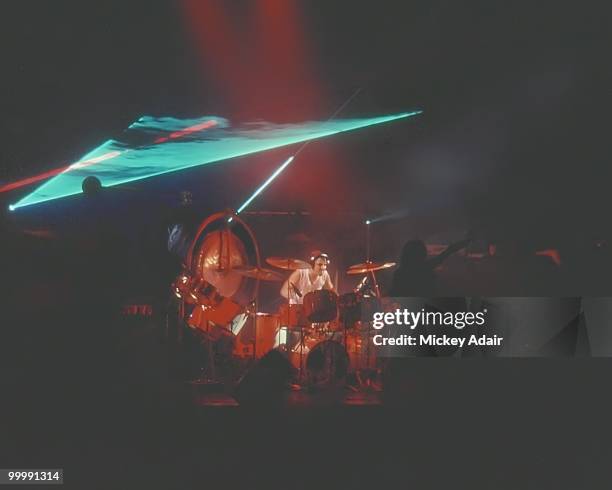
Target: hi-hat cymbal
366, 267
258, 273
287, 263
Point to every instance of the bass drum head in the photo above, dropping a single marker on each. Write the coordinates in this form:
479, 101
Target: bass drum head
327, 363
321, 306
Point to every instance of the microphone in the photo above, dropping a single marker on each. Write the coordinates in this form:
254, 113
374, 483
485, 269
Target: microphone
297, 291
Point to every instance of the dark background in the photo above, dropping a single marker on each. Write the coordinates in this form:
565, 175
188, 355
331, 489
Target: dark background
512, 143
515, 97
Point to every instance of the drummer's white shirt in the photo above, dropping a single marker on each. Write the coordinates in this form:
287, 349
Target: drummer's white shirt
305, 286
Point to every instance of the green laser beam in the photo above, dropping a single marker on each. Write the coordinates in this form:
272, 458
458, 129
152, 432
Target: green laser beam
136, 163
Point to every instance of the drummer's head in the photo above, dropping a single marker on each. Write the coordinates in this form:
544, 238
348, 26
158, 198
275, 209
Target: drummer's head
319, 261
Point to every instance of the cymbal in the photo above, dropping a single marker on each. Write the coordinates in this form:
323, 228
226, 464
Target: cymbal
258, 273
366, 267
287, 263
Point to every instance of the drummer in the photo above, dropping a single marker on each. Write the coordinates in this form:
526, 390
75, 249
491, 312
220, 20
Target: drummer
304, 281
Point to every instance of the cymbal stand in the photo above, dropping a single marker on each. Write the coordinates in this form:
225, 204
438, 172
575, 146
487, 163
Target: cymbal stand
212, 378
368, 331
208, 374
253, 315
367, 339
377, 296
375, 283
301, 368
357, 375
367, 223
288, 346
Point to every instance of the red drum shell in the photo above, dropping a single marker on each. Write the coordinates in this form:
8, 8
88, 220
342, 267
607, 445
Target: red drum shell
321, 306
291, 316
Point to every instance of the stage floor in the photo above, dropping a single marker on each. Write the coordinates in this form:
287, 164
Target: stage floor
301, 399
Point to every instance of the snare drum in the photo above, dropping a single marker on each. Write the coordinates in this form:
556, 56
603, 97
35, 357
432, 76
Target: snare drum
321, 306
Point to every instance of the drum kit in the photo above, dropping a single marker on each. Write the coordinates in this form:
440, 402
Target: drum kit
325, 337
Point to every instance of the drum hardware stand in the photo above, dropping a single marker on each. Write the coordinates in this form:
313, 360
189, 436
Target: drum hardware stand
211, 379
208, 375
377, 296
254, 304
367, 223
301, 345
302, 341
254, 320
367, 268
351, 387
251, 311
253, 307
332, 363
368, 383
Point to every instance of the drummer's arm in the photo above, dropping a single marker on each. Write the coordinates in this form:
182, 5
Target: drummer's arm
328, 284
293, 278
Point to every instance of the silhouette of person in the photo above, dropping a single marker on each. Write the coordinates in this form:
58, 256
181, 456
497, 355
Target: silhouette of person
416, 275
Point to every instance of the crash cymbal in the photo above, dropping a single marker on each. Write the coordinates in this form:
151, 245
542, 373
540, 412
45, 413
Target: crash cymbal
287, 263
366, 267
258, 273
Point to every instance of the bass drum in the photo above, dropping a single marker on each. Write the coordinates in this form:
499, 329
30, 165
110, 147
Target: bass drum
321, 306
327, 363
254, 331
